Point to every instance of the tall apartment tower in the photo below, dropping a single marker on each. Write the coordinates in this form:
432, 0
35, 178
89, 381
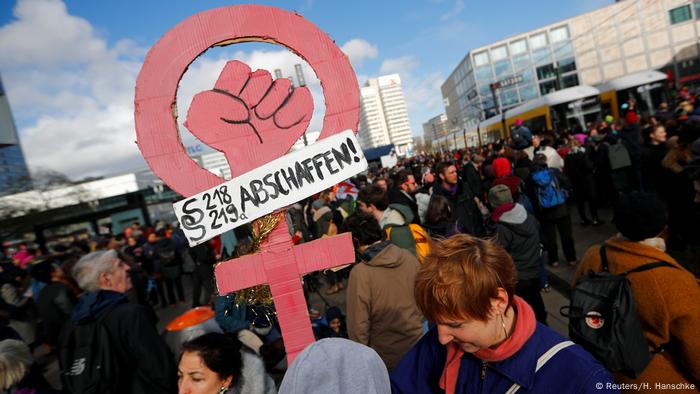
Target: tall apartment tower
383, 115
14, 175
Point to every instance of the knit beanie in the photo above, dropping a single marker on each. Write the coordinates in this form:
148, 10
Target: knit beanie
501, 167
639, 216
499, 195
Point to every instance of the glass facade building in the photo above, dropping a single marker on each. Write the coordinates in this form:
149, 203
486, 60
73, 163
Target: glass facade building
589, 49
14, 175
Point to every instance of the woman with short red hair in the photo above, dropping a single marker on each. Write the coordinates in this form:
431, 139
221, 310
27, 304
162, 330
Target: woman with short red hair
486, 338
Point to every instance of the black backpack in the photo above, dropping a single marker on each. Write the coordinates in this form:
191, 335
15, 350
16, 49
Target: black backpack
603, 319
88, 359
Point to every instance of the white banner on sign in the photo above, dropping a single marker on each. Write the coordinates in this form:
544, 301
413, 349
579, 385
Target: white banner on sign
275, 185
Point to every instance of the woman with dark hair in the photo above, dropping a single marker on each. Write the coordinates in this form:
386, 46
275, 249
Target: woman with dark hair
439, 221
217, 363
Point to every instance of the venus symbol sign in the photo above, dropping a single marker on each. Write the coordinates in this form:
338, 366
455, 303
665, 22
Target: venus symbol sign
254, 121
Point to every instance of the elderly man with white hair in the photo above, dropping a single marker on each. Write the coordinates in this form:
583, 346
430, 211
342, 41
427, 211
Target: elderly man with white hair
105, 325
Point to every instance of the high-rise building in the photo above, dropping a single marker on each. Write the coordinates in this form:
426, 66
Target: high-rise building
14, 175
589, 49
383, 115
435, 128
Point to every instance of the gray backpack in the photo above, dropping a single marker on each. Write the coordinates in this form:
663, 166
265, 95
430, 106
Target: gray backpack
618, 156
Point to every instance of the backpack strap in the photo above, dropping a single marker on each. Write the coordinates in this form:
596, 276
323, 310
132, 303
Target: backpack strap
641, 268
543, 360
603, 259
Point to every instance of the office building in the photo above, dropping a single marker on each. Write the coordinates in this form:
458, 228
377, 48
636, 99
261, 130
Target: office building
589, 49
14, 175
383, 115
435, 128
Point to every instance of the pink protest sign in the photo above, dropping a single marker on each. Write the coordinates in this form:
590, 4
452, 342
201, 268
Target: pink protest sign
253, 120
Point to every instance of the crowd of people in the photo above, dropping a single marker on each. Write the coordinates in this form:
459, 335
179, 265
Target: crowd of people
446, 293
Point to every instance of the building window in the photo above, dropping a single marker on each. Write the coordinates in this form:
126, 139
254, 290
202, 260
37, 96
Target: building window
502, 68
483, 73
528, 76
696, 4
499, 53
542, 55
569, 81
545, 72
680, 14
521, 61
509, 97
518, 47
563, 50
566, 65
538, 41
481, 59
559, 34
528, 92
548, 87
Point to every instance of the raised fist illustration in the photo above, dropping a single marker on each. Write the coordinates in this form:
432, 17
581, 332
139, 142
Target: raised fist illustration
250, 117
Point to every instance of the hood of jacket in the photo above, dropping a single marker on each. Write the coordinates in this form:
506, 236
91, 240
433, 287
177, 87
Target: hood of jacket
396, 214
336, 365
389, 256
96, 305
517, 215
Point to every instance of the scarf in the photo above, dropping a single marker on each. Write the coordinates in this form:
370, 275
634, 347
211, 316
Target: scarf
525, 324
452, 190
503, 208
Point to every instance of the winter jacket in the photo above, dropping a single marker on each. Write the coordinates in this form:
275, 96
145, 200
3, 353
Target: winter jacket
652, 155
381, 309
579, 170
631, 138
666, 300
472, 177
55, 304
398, 196
463, 208
571, 370
517, 232
145, 361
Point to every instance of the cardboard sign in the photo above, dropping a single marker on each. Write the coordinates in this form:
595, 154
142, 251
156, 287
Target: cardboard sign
275, 185
254, 121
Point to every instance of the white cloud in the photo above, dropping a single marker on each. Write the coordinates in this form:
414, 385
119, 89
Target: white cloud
358, 50
72, 94
398, 65
456, 9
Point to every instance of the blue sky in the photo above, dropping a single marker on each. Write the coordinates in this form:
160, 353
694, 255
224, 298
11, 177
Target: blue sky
69, 68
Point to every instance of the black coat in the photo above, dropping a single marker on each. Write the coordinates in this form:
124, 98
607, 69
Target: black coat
472, 177
522, 242
146, 364
652, 155
464, 209
55, 304
397, 197
579, 170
